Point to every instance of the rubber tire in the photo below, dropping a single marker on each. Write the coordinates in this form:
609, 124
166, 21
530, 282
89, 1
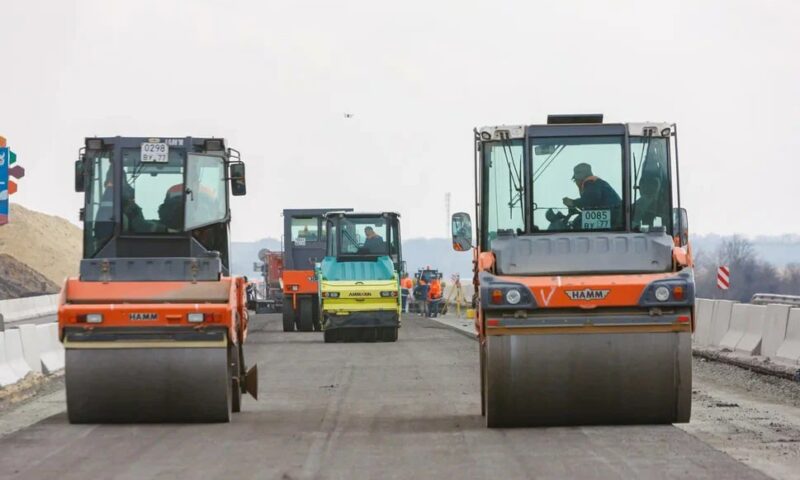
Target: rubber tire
305, 317
316, 317
288, 317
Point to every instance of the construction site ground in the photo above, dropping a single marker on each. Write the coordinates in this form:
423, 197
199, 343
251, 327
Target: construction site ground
409, 409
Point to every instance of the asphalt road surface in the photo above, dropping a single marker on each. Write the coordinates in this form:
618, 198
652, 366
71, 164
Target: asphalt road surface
410, 409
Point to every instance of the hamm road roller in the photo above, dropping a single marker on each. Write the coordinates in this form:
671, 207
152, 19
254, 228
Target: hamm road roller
154, 327
359, 278
583, 273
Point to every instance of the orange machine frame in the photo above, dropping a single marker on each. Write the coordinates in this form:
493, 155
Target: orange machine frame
116, 301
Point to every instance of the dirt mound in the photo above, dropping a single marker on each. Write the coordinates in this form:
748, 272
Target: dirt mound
19, 280
47, 244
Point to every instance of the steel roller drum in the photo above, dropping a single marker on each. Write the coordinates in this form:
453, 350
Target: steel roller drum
588, 379
141, 385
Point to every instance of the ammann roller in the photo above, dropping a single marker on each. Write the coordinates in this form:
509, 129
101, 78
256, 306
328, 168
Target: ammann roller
154, 327
583, 273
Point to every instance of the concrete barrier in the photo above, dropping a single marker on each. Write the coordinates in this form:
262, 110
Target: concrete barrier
737, 327
775, 321
29, 307
31, 350
14, 357
51, 351
750, 343
7, 374
720, 321
789, 351
705, 313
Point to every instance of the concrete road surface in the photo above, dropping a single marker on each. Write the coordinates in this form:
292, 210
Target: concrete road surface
347, 411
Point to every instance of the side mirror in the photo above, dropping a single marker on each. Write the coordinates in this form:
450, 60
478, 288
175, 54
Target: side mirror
80, 179
238, 182
462, 232
680, 225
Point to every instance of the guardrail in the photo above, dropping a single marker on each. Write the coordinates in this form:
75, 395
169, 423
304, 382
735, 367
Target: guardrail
768, 298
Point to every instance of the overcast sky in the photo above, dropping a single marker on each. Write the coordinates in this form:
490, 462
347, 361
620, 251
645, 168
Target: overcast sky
275, 79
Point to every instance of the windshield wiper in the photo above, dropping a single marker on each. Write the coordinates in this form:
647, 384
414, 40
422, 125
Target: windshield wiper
637, 167
514, 180
547, 162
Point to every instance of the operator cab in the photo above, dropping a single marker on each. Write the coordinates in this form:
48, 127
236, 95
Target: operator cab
364, 236
156, 198
577, 185
304, 236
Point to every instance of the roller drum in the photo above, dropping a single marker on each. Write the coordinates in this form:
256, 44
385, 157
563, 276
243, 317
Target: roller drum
588, 379
134, 385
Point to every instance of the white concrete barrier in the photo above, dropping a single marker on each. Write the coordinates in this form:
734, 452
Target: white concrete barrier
7, 374
17, 309
789, 351
736, 327
750, 342
51, 350
14, 357
31, 350
702, 331
774, 329
720, 320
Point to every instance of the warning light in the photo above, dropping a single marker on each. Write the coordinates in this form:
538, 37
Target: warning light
497, 296
677, 293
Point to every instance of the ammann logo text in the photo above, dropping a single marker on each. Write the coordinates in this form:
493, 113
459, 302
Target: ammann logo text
142, 316
359, 294
587, 294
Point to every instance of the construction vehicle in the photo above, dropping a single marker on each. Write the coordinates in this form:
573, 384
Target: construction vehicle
303, 247
154, 326
584, 287
270, 297
359, 278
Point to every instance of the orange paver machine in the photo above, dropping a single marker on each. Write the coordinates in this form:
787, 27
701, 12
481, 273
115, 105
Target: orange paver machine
154, 327
583, 273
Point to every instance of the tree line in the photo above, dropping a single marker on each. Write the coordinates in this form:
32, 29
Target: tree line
749, 274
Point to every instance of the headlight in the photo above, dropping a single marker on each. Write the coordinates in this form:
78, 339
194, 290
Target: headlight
662, 293
513, 296
294, 288
330, 294
94, 318
195, 317
392, 293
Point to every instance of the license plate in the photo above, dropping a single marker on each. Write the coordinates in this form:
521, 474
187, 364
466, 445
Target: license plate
155, 153
596, 219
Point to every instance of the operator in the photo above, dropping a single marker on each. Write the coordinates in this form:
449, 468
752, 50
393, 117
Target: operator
405, 289
171, 211
374, 242
595, 192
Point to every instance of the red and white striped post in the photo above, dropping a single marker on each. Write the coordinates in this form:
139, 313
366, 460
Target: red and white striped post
723, 277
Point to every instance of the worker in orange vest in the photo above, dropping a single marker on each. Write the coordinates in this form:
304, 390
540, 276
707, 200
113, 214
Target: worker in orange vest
405, 289
434, 297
